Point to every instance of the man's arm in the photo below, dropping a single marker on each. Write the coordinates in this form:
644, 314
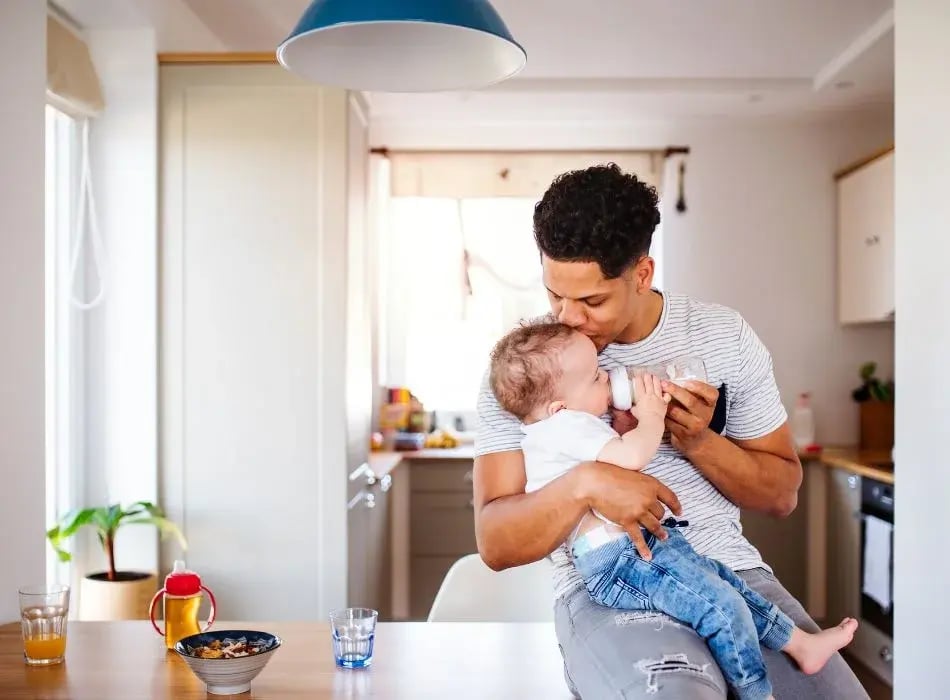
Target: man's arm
762, 474
513, 527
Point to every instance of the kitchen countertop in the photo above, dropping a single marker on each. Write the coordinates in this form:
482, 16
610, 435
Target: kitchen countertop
875, 464
384, 462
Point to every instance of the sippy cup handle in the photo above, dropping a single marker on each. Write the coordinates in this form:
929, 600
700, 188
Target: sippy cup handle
211, 616
151, 611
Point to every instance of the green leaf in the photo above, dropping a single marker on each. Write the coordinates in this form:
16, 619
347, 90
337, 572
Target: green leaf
147, 507
67, 527
867, 370
114, 517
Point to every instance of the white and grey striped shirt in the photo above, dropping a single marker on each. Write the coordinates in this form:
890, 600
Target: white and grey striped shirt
738, 364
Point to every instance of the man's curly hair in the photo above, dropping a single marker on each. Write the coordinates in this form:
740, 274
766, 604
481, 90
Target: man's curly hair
525, 367
599, 214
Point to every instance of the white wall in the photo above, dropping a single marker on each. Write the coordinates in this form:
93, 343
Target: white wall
923, 345
758, 235
121, 335
22, 469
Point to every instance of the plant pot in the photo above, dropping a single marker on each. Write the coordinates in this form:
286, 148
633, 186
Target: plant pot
877, 425
126, 598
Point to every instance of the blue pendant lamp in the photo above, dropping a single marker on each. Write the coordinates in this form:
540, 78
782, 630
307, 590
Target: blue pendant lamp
402, 45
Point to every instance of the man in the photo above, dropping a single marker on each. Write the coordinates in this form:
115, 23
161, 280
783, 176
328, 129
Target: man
729, 448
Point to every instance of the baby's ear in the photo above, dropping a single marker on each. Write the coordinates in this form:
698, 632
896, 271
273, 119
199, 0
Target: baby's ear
555, 406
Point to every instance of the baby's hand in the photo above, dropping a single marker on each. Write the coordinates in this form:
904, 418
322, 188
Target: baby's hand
651, 400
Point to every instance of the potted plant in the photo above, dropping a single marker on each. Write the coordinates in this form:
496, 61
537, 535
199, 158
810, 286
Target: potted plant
113, 594
876, 401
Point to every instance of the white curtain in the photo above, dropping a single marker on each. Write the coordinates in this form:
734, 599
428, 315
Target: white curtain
440, 323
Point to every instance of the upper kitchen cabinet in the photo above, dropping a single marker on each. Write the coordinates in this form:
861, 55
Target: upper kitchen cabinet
262, 242
866, 241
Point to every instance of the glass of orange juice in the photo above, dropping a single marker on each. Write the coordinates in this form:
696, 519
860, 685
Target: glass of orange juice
43, 613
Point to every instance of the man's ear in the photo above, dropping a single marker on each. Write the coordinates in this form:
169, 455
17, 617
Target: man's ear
644, 274
555, 406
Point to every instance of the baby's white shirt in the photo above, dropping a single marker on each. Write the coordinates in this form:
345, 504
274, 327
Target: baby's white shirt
555, 445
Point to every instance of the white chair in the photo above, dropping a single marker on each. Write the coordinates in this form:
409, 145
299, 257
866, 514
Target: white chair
472, 592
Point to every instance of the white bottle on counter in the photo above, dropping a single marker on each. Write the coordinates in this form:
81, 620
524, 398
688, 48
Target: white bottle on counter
803, 422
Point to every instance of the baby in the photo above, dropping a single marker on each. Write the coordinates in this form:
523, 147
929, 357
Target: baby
547, 375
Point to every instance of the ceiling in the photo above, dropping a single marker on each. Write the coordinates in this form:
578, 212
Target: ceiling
606, 59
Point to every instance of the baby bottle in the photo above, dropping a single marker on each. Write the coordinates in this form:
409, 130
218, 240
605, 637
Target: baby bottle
679, 370
181, 600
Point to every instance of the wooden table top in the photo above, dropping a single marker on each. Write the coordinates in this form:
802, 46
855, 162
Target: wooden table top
128, 661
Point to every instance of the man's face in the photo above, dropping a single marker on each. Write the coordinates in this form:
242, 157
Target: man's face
583, 299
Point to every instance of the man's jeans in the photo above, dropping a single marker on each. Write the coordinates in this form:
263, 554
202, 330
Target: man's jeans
646, 655
701, 592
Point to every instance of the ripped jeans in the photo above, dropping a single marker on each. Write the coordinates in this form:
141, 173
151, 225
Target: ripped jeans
644, 654
701, 592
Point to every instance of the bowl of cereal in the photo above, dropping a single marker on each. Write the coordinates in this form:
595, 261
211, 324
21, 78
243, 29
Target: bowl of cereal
228, 660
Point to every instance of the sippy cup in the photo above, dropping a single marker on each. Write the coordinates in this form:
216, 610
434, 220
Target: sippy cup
181, 599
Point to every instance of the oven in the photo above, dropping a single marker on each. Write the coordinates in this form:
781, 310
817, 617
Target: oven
874, 641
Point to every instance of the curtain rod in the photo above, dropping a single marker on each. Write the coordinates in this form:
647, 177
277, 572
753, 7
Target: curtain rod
665, 152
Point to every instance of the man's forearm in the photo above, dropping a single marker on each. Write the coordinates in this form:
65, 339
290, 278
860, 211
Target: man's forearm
750, 478
523, 528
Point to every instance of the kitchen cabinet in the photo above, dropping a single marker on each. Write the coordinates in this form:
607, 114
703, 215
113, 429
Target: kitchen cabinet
866, 242
441, 526
266, 382
844, 546
369, 530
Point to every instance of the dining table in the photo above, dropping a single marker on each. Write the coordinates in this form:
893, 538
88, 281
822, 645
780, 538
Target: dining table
127, 660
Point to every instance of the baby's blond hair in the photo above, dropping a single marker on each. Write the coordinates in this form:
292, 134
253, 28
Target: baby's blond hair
525, 367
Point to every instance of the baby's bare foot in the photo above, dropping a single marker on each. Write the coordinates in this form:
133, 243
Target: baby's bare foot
812, 651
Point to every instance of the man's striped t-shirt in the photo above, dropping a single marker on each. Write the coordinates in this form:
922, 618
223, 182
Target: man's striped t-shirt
738, 364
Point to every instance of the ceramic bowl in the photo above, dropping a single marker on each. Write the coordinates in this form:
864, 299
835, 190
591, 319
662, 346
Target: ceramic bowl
228, 676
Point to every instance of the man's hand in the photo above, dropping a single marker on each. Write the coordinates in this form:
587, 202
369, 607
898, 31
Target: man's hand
629, 498
689, 414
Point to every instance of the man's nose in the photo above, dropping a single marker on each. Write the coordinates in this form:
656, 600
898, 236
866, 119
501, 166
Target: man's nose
571, 313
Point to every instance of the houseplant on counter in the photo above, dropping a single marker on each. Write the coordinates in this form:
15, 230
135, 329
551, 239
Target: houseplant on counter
113, 594
876, 402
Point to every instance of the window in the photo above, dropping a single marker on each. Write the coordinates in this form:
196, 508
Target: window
443, 316
64, 339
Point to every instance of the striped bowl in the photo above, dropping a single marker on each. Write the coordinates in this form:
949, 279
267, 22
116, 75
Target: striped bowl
228, 676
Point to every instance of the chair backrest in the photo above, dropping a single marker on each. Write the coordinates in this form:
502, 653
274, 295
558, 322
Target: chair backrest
472, 592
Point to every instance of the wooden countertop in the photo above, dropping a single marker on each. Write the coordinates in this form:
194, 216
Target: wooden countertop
460, 452
112, 660
384, 462
875, 464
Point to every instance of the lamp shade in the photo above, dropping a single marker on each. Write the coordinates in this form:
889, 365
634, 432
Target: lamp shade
402, 45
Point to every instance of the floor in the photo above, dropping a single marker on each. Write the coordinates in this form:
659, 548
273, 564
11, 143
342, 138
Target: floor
877, 689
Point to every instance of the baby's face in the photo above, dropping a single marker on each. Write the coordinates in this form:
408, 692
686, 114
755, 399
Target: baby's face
583, 385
